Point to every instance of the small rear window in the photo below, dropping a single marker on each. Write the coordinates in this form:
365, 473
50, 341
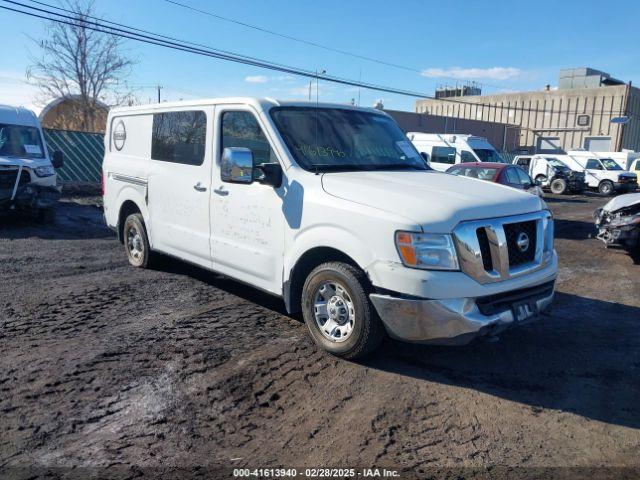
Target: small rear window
179, 137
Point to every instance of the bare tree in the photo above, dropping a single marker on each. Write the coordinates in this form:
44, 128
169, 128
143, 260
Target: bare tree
81, 64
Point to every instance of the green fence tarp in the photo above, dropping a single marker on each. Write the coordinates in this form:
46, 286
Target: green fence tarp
83, 153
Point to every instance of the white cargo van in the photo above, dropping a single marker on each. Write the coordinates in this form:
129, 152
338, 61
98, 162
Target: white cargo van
442, 150
331, 208
602, 174
28, 180
625, 158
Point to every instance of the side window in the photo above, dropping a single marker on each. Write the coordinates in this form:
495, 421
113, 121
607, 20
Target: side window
523, 177
443, 155
466, 156
512, 176
241, 129
593, 164
524, 162
179, 137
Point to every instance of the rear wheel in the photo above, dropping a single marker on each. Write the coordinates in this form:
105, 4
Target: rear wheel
605, 187
338, 312
558, 186
136, 242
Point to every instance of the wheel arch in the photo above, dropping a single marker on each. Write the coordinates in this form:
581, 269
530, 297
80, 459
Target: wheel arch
126, 208
310, 259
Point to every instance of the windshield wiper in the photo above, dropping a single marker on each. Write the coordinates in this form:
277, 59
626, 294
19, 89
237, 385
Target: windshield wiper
397, 166
368, 167
338, 167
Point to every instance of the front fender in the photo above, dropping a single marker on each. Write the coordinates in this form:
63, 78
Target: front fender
329, 236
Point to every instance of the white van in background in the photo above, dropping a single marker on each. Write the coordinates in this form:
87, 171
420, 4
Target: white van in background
444, 150
625, 158
332, 208
602, 174
28, 180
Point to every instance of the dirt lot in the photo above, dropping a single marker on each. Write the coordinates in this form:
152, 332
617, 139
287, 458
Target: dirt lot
108, 370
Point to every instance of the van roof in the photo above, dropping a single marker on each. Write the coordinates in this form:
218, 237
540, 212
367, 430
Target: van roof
18, 116
258, 103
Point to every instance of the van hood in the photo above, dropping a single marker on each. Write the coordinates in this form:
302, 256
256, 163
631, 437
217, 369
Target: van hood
437, 201
24, 162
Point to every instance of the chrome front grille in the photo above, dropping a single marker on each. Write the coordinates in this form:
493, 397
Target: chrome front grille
514, 233
497, 249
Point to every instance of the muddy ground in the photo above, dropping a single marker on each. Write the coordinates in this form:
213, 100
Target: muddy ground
106, 370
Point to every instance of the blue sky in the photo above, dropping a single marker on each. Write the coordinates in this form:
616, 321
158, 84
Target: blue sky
507, 45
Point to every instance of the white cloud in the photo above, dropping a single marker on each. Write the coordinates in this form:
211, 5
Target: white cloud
14, 90
256, 79
493, 73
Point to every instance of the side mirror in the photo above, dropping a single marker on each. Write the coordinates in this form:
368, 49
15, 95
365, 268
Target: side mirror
58, 159
269, 174
425, 155
236, 165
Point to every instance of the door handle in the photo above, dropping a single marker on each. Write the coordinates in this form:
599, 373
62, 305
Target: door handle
221, 191
199, 187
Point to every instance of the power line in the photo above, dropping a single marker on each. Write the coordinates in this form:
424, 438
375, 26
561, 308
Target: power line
162, 40
313, 44
291, 37
124, 31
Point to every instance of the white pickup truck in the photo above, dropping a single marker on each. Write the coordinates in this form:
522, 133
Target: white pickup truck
28, 180
331, 208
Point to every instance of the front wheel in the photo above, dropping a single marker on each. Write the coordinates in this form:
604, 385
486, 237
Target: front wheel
136, 241
338, 312
605, 187
558, 186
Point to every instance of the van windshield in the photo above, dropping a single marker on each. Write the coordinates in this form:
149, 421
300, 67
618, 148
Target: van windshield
610, 164
488, 155
554, 162
326, 139
20, 141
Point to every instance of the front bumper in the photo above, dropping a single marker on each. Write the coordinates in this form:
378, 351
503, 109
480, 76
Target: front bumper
625, 186
457, 321
32, 197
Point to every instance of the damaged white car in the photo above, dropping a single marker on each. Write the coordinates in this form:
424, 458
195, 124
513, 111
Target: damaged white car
28, 180
618, 223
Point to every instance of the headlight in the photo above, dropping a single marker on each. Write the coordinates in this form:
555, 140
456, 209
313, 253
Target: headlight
549, 236
430, 251
45, 171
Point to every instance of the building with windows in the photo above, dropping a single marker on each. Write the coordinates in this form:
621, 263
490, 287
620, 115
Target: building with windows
589, 110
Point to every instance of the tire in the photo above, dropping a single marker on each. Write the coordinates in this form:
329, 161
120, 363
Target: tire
47, 216
136, 241
356, 329
635, 253
558, 186
541, 179
606, 188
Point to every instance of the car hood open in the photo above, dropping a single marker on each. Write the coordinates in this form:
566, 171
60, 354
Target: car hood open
437, 200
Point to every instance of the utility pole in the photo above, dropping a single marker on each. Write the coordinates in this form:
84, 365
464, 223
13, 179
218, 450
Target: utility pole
159, 88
